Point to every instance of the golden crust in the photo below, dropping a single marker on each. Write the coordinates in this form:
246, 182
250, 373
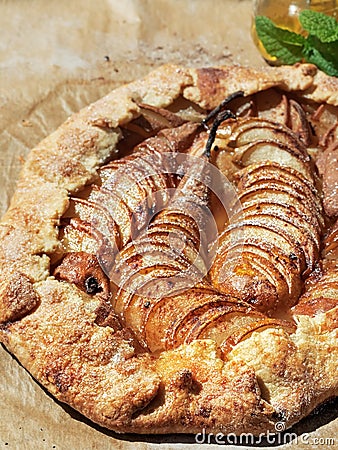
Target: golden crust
56, 331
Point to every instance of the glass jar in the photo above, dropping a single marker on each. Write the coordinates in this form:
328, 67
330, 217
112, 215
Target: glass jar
284, 14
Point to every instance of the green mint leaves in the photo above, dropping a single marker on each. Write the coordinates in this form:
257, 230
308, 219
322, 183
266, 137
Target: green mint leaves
285, 45
324, 27
320, 47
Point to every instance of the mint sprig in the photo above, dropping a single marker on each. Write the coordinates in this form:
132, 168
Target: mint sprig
324, 27
285, 45
319, 47
322, 55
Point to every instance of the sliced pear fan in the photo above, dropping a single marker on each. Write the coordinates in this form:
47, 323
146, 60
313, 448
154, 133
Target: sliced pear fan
281, 210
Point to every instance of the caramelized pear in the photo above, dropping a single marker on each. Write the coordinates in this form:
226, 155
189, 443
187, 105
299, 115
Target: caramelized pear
278, 231
162, 291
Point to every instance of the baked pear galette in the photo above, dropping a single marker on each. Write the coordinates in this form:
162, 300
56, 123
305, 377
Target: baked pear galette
169, 260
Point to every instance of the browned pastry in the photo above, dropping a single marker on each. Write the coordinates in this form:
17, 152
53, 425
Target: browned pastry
133, 294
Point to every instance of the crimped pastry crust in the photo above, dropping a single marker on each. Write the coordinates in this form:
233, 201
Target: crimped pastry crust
55, 331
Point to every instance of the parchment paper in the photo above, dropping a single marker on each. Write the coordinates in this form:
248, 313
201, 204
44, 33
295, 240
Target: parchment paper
56, 57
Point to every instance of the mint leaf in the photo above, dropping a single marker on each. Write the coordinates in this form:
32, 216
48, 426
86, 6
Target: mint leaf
283, 44
323, 55
324, 27
320, 47
315, 57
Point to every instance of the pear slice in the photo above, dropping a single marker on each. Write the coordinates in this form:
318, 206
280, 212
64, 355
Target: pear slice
98, 216
250, 327
80, 236
166, 316
118, 210
191, 323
